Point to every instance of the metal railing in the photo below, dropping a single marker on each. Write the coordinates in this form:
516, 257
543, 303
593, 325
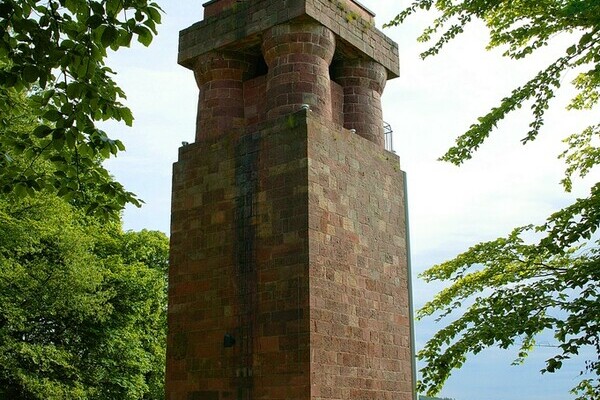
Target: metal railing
389, 137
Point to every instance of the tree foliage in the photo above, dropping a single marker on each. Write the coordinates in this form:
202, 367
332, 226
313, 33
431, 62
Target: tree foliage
56, 50
518, 287
82, 305
433, 398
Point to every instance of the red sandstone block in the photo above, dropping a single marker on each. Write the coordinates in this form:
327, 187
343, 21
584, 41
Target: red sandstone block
268, 344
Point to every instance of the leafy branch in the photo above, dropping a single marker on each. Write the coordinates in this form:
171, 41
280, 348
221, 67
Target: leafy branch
55, 51
517, 289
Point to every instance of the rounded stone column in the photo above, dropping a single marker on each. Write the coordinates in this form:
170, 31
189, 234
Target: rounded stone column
298, 55
363, 82
220, 76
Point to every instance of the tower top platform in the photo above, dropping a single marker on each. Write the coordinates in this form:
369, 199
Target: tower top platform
239, 24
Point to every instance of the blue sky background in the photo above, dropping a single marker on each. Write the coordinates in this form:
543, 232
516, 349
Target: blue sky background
504, 186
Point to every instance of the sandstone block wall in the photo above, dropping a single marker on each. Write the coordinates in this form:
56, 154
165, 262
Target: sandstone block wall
290, 238
288, 274
359, 309
239, 267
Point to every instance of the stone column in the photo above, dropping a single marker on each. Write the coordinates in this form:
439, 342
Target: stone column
298, 55
220, 76
363, 82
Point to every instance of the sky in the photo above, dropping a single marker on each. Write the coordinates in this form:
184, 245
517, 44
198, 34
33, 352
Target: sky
451, 208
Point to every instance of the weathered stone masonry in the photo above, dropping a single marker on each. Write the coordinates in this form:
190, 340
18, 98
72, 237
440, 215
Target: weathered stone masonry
288, 276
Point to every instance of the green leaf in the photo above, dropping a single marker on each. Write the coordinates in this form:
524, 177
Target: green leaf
124, 38
85, 150
58, 138
42, 131
144, 35
52, 115
109, 36
58, 143
155, 15
64, 191
585, 39
127, 116
119, 145
72, 6
74, 90
71, 138
47, 96
30, 74
20, 190
94, 21
67, 44
104, 151
113, 7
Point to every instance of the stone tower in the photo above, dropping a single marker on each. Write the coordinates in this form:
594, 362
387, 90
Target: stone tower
288, 276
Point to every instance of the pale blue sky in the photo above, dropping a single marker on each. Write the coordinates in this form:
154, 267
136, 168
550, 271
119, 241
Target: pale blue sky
504, 186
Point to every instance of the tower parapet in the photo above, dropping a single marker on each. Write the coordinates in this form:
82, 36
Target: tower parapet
295, 43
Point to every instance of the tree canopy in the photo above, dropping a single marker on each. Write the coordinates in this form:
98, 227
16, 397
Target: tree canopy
55, 51
550, 284
82, 303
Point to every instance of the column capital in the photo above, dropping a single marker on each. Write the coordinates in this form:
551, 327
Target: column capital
360, 72
223, 64
220, 76
363, 81
298, 54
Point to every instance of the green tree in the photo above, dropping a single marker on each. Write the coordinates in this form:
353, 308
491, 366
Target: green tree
56, 50
433, 398
82, 305
29, 164
547, 285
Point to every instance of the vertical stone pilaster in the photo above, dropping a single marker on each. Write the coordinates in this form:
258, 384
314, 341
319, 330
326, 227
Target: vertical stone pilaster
363, 82
220, 76
298, 54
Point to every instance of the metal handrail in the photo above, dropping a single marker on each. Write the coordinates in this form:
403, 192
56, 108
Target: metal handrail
389, 137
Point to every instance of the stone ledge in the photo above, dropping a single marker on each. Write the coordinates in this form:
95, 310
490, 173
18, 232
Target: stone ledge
241, 25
